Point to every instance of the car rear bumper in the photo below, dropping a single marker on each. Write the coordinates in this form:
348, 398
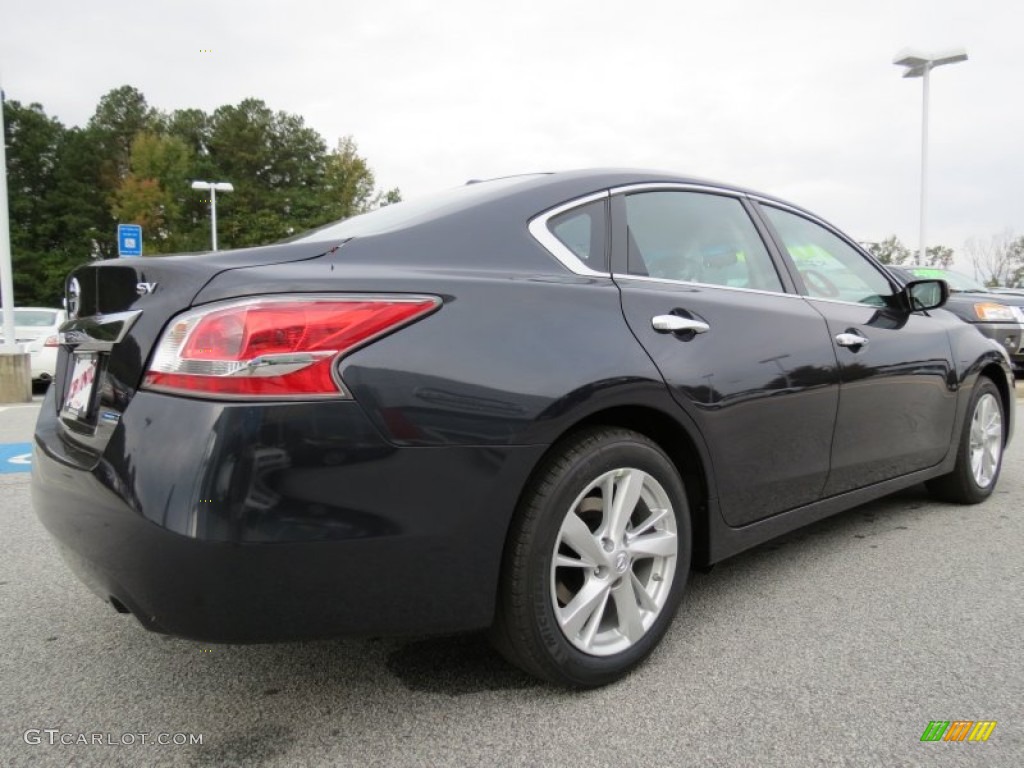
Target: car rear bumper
44, 363
243, 523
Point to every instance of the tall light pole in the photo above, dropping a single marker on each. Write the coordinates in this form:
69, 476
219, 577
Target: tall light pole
15, 365
6, 273
213, 187
919, 65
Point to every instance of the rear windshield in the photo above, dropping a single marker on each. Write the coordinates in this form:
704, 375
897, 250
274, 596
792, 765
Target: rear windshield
401, 215
34, 318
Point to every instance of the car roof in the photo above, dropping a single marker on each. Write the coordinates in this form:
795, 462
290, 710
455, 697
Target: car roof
518, 197
588, 180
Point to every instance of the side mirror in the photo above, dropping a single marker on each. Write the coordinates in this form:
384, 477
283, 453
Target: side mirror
925, 294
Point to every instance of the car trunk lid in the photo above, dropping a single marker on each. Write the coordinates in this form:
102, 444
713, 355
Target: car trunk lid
118, 310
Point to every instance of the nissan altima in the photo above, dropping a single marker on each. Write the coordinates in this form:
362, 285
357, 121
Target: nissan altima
530, 405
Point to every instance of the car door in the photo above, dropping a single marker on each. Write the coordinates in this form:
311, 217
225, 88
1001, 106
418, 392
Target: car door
750, 361
897, 382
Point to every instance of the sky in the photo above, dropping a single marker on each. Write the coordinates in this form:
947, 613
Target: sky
796, 98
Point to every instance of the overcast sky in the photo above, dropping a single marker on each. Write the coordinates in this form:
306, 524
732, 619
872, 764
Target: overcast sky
797, 98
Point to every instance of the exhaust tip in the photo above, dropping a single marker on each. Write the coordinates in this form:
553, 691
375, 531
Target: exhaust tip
118, 605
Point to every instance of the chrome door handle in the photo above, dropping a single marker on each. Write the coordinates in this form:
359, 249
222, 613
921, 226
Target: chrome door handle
676, 324
850, 340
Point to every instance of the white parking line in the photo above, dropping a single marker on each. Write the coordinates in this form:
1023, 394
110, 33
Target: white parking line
21, 405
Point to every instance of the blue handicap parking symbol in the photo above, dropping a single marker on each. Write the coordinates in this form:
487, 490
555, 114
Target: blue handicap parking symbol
15, 457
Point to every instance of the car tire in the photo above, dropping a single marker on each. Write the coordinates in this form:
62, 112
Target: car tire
980, 452
596, 560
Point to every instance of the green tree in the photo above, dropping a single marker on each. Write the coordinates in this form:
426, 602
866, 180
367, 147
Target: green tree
155, 190
1015, 252
393, 195
191, 126
58, 215
349, 186
998, 260
119, 117
890, 251
940, 256
276, 164
69, 187
80, 202
32, 144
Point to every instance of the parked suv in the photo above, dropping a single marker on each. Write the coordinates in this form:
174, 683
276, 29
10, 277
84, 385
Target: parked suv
1000, 316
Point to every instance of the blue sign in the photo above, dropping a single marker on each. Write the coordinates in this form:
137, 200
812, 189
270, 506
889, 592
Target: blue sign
15, 457
129, 240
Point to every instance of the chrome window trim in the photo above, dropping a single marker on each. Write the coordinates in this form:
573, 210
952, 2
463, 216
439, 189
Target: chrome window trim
690, 283
846, 303
538, 227
799, 212
677, 186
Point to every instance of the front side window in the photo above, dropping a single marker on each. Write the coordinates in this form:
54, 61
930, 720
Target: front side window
830, 268
696, 237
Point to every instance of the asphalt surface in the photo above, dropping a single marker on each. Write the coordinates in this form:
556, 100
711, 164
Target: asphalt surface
835, 645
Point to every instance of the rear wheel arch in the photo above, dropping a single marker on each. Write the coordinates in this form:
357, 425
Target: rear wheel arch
669, 435
582, 600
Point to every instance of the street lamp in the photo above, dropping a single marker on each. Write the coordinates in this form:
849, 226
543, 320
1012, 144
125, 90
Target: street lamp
919, 65
213, 187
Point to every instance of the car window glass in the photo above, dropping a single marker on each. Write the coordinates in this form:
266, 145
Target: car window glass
830, 267
410, 213
34, 318
696, 237
582, 231
957, 282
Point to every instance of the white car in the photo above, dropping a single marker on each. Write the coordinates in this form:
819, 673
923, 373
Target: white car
37, 329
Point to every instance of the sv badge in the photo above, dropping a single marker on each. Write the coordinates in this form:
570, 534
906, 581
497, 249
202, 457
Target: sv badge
143, 288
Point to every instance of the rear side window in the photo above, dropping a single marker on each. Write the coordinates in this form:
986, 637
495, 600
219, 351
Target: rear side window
698, 238
583, 231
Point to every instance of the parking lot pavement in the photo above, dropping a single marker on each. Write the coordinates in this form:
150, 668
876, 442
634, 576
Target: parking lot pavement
835, 645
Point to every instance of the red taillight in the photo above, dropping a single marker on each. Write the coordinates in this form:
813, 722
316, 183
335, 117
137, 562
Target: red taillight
52, 341
273, 347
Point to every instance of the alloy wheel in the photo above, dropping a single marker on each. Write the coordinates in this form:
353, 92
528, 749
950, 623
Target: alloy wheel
614, 561
986, 444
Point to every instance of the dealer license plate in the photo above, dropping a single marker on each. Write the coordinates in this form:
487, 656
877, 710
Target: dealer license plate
79, 394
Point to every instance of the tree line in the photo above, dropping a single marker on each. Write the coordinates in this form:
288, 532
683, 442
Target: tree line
69, 187
996, 261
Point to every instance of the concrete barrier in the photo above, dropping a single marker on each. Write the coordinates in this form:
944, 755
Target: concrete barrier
15, 377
